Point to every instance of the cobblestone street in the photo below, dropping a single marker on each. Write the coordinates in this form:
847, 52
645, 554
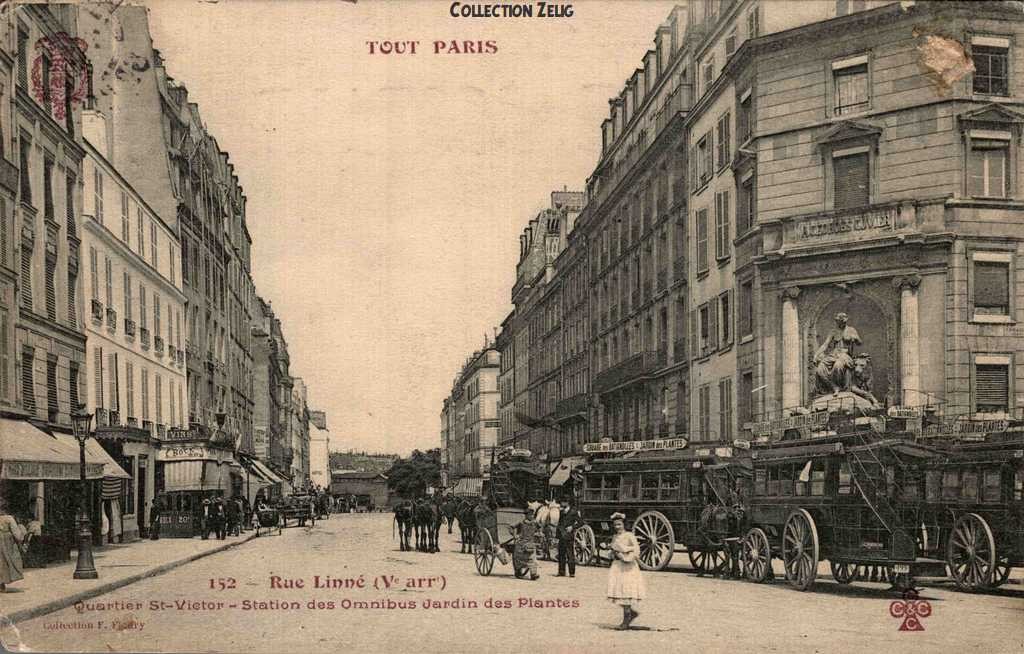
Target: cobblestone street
682, 611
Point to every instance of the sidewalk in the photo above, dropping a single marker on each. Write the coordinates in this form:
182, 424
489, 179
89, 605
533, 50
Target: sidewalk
49, 589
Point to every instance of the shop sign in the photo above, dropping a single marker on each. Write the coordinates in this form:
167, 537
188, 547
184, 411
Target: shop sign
192, 453
177, 524
813, 421
636, 446
967, 428
178, 434
904, 412
847, 225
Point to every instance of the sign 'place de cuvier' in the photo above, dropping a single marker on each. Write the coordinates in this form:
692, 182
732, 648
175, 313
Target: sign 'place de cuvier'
636, 446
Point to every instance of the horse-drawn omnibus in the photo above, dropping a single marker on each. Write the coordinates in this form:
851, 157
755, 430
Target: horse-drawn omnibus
690, 497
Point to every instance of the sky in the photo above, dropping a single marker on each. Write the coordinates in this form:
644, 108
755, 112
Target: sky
386, 193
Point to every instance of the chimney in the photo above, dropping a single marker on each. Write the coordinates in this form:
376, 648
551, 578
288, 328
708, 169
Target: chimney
96, 130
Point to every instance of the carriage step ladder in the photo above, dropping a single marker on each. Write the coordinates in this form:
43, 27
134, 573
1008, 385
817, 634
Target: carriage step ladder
872, 489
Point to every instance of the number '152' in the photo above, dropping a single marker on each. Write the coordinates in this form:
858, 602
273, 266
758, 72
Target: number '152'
222, 583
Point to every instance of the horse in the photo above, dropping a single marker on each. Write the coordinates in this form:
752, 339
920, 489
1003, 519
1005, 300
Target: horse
465, 514
427, 520
404, 520
449, 507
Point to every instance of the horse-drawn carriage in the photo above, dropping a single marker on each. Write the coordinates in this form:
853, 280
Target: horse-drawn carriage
268, 518
298, 507
670, 497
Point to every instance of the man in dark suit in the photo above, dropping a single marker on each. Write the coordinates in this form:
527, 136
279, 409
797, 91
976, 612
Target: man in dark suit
569, 521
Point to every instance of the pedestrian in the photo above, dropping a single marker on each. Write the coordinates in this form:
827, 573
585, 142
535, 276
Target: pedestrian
231, 514
156, 507
525, 554
219, 518
206, 517
11, 536
569, 521
625, 583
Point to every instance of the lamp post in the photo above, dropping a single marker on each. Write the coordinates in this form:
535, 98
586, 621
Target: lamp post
84, 567
221, 417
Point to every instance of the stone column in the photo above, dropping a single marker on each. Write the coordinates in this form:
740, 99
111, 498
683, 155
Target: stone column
910, 356
791, 377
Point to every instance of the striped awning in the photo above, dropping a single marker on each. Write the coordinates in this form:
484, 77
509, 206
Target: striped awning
196, 476
469, 486
94, 451
29, 453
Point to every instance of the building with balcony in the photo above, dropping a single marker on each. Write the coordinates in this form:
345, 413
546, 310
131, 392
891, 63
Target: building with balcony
635, 227
319, 450
160, 144
272, 389
132, 286
299, 431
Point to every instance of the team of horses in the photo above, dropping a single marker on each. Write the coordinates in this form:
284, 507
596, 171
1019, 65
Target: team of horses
419, 521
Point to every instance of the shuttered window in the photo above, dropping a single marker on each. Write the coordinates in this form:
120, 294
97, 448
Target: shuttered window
69, 206
157, 381
73, 386
127, 296
94, 275
725, 319
991, 288
702, 240
142, 306
114, 400
850, 174
72, 304
713, 327
724, 140
108, 269
51, 290
145, 394
851, 89
746, 309
97, 188
987, 171
725, 409
28, 387
26, 277
140, 232
722, 226
97, 377
992, 388
745, 399
172, 399
51, 389
704, 415
125, 220
129, 381
4, 238
705, 329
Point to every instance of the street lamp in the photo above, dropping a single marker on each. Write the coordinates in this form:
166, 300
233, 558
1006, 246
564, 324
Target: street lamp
84, 568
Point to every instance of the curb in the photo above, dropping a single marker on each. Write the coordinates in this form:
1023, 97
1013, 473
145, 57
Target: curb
33, 612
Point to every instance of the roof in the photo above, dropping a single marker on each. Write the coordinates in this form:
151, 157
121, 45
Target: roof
358, 475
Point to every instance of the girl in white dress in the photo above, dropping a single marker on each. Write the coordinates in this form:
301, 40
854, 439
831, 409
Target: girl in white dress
11, 537
625, 583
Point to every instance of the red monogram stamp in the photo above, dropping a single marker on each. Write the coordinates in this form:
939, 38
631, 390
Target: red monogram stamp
61, 79
912, 610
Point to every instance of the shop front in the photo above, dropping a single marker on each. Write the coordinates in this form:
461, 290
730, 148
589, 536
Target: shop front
186, 475
134, 450
40, 486
259, 480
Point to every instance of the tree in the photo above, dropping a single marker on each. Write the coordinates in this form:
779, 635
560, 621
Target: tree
410, 477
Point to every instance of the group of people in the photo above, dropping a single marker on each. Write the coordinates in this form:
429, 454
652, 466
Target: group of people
626, 586
217, 515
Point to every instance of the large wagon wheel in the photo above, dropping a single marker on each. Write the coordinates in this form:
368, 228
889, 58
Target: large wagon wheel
484, 552
657, 541
584, 545
757, 556
705, 561
844, 572
971, 552
1002, 571
800, 549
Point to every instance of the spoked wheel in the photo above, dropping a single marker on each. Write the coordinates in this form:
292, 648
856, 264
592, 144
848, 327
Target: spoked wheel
657, 540
800, 549
709, 561
971, 553
549, 548
584, 545
484, 554
757, 556
843, 573
1001, 572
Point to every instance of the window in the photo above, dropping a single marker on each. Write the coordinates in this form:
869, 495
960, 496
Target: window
5, 354
725, 318
745, 118
988, 174
94, 275
745, 398
112, 385
702, 240
127, 296
109, 276
28, 386
991, 383
125, 221
850, 86
991, 486
723, 246
51, 289
97, 179
708, 74
69, 206
48, 188
73, 385
730, 43
746, 308
142, 307
753, 23
140, 232
990, 284
23, 56
185, 276
156, 315
724, 141
5, 230
725, 409
25, 180
72, 305
704, 413
153, 245
129, 382
26, 277
145, 394
991, 65
850, 178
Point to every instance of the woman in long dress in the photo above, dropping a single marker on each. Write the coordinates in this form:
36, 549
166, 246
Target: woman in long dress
11, 535
625, 583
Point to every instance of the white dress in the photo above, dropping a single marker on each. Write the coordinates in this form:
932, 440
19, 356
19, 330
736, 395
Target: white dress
625, 583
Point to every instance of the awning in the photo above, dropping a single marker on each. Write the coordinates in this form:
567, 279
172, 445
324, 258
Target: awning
29, 453
95, 451
260, 470
469, 486
195, 476
564, 469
